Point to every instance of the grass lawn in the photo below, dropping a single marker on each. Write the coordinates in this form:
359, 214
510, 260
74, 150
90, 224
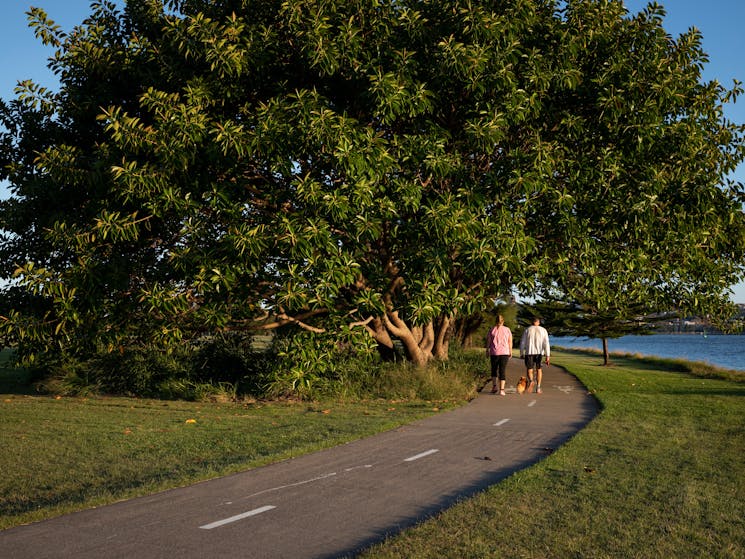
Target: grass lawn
660, 473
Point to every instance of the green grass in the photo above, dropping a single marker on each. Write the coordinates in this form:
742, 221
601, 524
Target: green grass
660, 473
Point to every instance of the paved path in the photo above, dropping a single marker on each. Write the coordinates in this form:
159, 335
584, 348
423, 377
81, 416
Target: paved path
329, 503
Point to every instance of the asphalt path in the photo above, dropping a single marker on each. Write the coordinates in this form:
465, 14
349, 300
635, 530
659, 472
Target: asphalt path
334, 502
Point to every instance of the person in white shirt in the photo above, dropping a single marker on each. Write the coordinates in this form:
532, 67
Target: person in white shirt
534, 346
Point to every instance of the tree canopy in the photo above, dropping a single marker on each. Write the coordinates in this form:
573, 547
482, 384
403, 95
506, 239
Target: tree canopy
359, 169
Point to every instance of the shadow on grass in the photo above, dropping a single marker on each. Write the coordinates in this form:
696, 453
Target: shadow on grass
735, 392
14, 380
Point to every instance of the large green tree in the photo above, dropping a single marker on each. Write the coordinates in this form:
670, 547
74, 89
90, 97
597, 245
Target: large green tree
651, 220
357, 168
650, 153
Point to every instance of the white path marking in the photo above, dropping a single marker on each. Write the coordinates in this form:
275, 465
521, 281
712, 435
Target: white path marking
532, 403
501, 422
421, 455
324, 476
565, 389
237, 517
357, 468
305, 481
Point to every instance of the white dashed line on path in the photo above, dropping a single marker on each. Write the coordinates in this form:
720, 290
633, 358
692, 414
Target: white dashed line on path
357, 468
421, 455
532, 403
237, 517
501, 422
324, 476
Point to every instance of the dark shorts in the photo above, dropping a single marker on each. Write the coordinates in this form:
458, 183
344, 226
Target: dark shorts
499, 366
533, 361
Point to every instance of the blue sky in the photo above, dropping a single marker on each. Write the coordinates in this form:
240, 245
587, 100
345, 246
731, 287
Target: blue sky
22, 56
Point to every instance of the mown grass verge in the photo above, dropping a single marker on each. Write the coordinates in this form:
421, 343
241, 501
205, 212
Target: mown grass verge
659, 473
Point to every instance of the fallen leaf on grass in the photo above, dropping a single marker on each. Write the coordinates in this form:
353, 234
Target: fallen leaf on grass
326, 412
190, 421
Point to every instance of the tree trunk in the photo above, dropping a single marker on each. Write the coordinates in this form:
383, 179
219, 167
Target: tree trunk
442, 338
421, 343
606, 355
385, 344
427, 342
465, 327
409, 338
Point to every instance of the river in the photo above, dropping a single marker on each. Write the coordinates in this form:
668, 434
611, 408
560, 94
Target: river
726, 351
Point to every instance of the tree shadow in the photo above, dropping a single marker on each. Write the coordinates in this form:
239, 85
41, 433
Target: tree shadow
14, 380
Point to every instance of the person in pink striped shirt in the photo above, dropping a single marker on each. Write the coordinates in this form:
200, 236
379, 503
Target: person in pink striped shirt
499, 350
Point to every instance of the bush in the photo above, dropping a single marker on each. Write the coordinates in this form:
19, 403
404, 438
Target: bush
313, 366
230, 366
185, 389
131, 372
457, 378
216, 368
241, 360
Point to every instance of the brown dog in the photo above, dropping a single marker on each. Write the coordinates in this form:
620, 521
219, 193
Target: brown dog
521, 385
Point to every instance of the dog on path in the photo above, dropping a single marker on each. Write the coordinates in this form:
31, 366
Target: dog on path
521, 385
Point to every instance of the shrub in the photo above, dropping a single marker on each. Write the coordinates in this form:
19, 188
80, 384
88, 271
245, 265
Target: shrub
238, 359
230, 366
131, 372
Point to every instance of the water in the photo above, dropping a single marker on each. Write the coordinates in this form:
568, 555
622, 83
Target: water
724, 351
